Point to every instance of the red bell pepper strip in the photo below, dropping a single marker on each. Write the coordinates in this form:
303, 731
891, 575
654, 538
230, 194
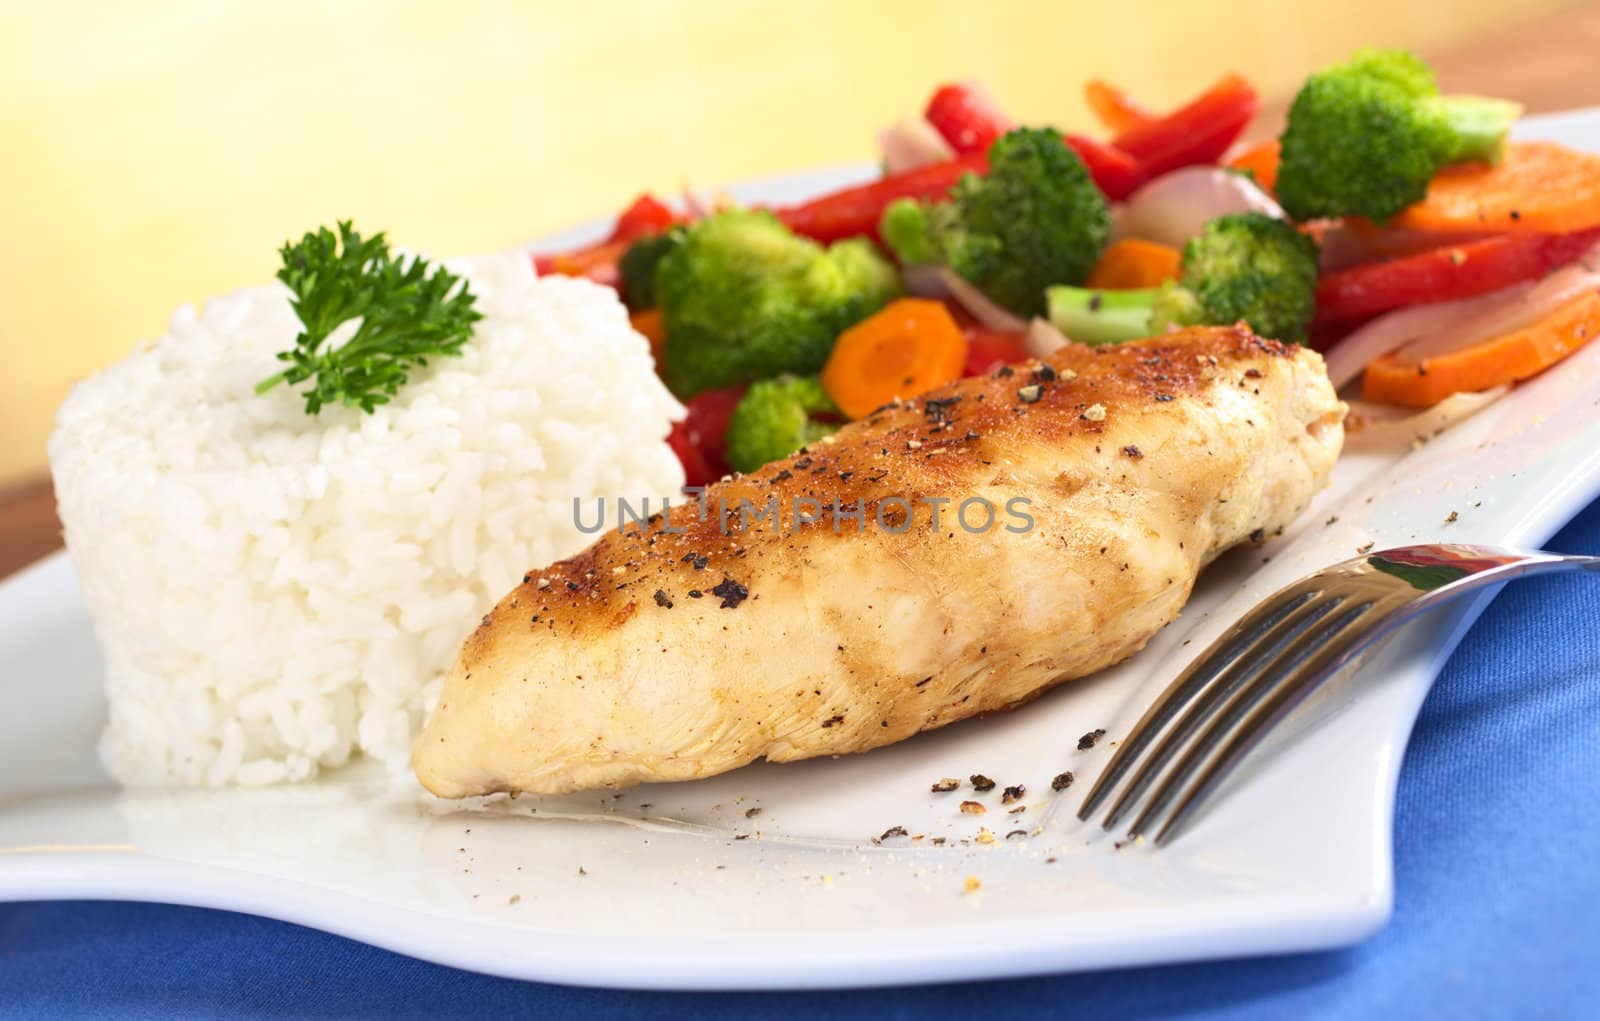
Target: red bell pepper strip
988, 349
647, 215
1114, 171
699, 439
1198, 132
967, 116
1446, 273
856, 211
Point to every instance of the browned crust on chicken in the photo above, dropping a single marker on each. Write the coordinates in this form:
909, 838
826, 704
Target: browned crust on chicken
690, 646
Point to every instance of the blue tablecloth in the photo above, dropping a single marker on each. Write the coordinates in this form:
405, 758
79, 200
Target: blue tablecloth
1497, 871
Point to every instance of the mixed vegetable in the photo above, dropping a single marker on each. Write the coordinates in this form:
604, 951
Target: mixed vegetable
1394, 227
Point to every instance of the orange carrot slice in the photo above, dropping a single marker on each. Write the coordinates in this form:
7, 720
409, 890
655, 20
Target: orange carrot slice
1539, 188
1132, 264
1261, 161
649, 323
1396, 379
912, 345
1116, 109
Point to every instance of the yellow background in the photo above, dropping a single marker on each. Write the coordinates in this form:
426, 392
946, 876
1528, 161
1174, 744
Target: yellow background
155, 153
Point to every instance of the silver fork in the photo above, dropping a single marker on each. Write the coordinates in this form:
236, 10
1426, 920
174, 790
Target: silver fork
1249, 679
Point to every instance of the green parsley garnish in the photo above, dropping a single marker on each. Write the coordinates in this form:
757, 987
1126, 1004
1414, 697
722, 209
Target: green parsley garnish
407, 316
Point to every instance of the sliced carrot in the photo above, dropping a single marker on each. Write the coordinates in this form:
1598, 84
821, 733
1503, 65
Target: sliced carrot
649, 323
912, 345
1539, 188
1116, 109
1261, 161
1515, 356
1132, 264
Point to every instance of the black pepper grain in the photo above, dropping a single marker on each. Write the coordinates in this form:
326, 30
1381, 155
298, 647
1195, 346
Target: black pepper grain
1088, 740
662, 600
981, 783
731, 593
1061, 781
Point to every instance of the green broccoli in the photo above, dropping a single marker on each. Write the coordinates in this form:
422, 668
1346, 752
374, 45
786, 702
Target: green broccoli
1242, 266
743, 298
1035, 219
1365, 138
776, 417
638, 267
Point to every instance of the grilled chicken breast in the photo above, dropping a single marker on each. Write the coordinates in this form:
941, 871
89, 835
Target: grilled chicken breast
692, 646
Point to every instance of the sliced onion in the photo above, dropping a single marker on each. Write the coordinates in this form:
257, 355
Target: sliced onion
1176, 206
975, 302
1042, 338
924, 281
695, 207
1516, 313
1381, 427
912, 142
1394, 330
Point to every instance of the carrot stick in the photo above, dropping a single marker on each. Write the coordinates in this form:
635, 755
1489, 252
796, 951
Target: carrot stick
1261, 161
1116, 110
912, 345
649, 323
1515, 356
1132, 264
1539, 188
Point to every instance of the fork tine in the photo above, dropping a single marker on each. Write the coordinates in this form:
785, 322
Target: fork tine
1195, 677
1240, 672
1205, 767
1280, 684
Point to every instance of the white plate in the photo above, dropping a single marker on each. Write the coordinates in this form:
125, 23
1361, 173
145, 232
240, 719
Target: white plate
698, 890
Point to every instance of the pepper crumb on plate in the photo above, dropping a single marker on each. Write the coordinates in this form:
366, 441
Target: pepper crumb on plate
1061, 781
1088, 740
981, 783
1013, 794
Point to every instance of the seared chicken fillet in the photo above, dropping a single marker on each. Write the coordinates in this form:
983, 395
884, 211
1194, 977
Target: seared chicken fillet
669, 655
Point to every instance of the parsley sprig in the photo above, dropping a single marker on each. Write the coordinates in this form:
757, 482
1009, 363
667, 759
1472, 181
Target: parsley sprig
407, 314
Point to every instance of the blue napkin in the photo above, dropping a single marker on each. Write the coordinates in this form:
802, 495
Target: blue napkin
1497, 873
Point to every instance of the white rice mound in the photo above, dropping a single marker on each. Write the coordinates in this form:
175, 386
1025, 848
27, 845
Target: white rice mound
274, 591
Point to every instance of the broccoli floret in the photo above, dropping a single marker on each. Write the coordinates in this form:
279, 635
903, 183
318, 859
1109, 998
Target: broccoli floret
1035, 219
1245, 266
1365, 138
743, 298
774, 418
638, 267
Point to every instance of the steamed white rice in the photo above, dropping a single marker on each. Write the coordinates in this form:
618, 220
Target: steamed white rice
276, 592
